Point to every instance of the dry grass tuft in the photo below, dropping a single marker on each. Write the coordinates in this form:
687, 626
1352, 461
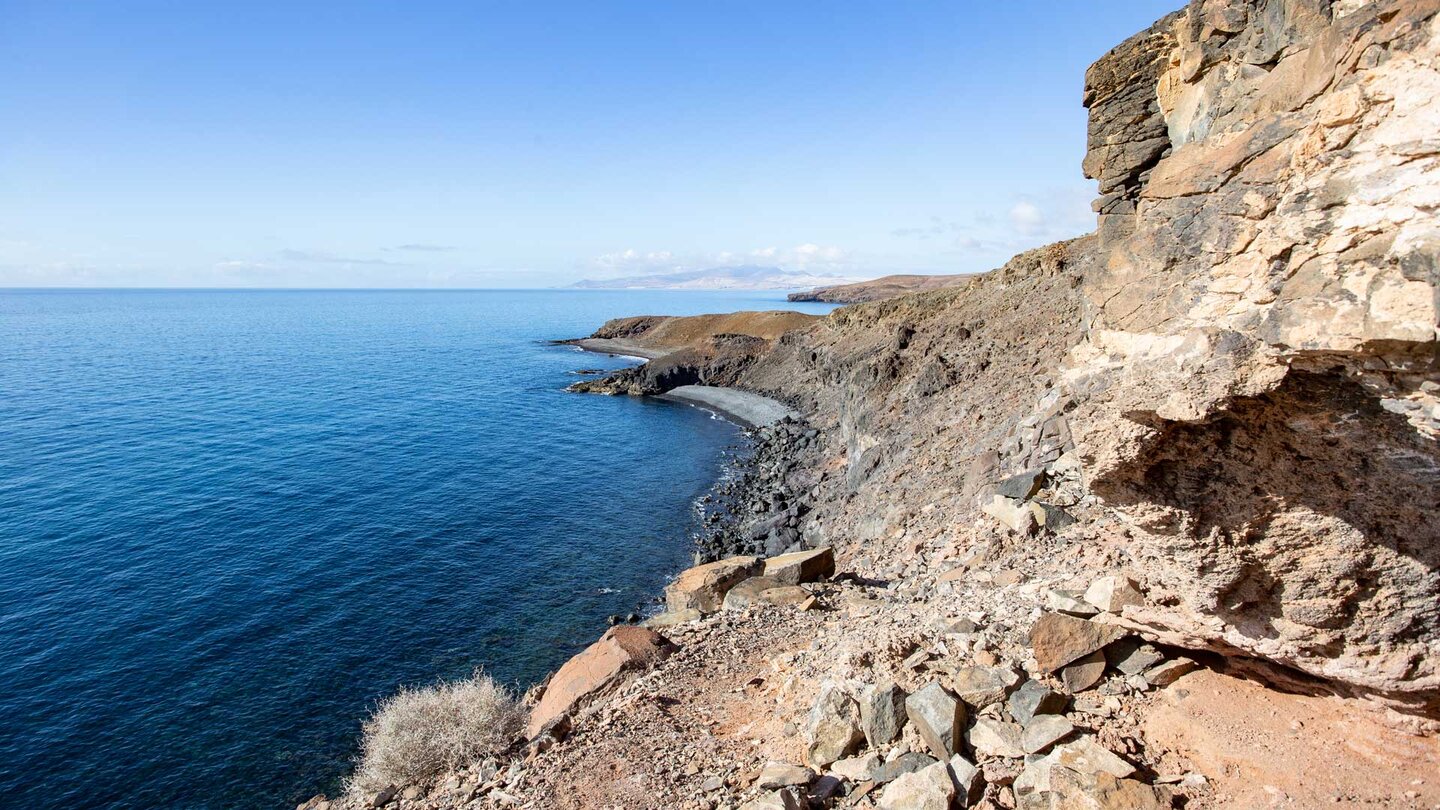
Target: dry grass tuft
418, 734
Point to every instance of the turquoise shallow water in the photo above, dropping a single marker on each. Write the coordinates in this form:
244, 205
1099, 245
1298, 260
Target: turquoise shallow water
230, 521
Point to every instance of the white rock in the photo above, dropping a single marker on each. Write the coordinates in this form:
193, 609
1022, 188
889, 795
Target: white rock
1112, 594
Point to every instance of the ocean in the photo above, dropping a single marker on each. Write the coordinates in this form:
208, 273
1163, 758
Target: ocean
230, 521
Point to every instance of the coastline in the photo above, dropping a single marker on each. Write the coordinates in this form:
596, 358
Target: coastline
747, 409
616, 347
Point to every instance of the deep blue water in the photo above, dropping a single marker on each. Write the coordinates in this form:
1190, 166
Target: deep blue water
230, 521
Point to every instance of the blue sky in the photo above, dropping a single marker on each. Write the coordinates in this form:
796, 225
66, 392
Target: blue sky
505, 144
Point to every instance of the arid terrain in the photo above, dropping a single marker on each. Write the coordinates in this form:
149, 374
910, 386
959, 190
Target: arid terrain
1143, 519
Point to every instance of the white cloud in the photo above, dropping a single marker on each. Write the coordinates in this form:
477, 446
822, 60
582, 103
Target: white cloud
807, 256
1027, 218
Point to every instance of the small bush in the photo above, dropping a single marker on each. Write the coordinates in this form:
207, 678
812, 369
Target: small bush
418, 734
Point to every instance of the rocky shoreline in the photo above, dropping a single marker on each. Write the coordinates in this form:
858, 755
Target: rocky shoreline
1142, 519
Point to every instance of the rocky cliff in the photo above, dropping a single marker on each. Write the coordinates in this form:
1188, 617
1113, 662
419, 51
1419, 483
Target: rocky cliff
1241, 367
1148, 516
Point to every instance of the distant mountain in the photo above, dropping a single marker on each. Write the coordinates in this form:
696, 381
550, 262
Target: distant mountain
879, 289
718, 278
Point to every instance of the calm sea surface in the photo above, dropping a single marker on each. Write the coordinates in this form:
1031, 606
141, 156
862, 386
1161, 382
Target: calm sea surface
230, 521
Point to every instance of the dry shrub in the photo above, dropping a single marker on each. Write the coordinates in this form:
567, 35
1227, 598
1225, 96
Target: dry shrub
417, 734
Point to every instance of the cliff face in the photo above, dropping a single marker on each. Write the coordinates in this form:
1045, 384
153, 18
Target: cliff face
1255, 394
1235, 378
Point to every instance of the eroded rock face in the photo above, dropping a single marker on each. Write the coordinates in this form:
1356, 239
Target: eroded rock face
1256, 392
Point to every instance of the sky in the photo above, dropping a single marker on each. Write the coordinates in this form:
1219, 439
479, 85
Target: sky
532, 144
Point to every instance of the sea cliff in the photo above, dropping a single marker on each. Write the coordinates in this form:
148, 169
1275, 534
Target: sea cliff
1146, 518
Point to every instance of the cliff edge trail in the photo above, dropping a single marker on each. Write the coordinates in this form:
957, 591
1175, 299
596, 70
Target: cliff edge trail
1148, 518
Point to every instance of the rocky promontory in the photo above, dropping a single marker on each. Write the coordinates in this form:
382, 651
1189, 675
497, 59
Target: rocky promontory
1148, 518
878, 289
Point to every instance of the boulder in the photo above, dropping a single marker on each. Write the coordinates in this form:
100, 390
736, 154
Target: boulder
671, 618
619, 654
811, 565
1084, 673
1132, 657
703, 587
824, 790
938, 716
1044, 731
1034, 698
1114, 593
783, 774
833, 728
995, 738
1084, 756
968, 780
1017, 516
857, 769
758, 591
1073, 790
1022, 487
882, 713
1170, 671
1057, 639
1069, 602
908, 762
930, 788
981, 686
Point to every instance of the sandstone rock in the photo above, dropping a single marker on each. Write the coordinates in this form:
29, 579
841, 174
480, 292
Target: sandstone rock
703, 587
857, 769
1084, 673
981, 686
833, 727
1070, 603
1113, 593
1170, 671
938, 716
752, 592
1083, 755
1033, 698
1057, 639
882, 713
1073, 790
671, 618
1044, 731
908, 762
1017, 516
995, 738
783, 774
927, 789
811, 565
623, 651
